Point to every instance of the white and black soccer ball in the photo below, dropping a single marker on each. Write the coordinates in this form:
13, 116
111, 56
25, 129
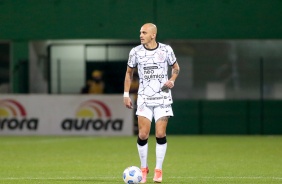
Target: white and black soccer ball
132, 175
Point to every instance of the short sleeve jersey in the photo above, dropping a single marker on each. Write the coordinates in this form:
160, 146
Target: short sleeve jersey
152, 67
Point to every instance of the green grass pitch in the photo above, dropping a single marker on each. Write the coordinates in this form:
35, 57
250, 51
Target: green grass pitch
189, 159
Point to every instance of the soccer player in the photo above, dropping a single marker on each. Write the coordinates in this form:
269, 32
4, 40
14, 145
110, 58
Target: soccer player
154, 100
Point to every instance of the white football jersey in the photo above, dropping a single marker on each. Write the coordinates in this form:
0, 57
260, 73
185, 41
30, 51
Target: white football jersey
152, 67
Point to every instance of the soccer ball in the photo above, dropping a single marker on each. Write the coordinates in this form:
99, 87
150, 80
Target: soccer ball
132, 175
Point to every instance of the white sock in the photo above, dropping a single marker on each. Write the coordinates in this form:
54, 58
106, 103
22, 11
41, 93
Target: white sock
143, 154
160, 155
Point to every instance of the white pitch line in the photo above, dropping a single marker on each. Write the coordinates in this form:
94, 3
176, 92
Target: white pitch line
227, 177
172, 177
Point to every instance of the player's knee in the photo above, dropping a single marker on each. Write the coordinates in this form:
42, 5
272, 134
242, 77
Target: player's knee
160, 133
161, 140
143, 135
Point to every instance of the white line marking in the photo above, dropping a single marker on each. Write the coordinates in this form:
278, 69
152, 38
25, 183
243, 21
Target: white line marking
228, 177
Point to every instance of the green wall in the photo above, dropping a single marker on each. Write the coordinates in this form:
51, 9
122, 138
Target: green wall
226, 117
25, 20
177, 19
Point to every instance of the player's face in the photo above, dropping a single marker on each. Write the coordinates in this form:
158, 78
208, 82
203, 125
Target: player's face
146, 35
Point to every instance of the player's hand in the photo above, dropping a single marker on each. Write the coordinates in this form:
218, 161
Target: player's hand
169, 84
127, 102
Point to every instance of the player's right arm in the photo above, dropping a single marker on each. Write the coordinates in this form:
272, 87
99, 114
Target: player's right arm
127, 83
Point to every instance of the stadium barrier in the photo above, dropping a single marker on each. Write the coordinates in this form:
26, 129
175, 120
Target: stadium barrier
225, 117
65, 115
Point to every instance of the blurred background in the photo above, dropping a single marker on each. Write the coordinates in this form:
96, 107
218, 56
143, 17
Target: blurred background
229, 51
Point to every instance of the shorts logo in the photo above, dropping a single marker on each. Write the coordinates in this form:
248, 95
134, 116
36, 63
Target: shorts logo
141, 108
13, 116
93, 109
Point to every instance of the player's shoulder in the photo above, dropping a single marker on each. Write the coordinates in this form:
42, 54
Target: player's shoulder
138, 48
161, 45
165, 46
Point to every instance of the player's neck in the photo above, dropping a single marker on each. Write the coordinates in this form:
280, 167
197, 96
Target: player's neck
151, 45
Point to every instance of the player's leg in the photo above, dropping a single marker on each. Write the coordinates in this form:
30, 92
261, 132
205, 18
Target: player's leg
162, 115
161, 147
144, 126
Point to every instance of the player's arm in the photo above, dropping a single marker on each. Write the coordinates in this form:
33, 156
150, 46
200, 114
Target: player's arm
175, 69
127, 83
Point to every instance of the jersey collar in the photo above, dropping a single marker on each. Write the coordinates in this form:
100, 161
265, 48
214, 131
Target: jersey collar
153, 48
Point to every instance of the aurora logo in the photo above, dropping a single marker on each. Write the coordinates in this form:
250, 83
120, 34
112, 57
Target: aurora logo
11, 108
13, 116
92, 115
93, 109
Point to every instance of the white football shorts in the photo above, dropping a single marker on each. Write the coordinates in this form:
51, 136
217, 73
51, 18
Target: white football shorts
155, 112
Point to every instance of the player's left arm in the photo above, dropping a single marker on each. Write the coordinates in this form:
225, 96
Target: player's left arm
175, 69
